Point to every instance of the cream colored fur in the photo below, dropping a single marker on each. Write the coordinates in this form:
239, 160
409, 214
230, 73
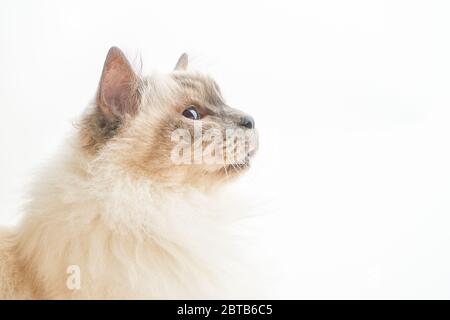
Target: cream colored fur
12, 279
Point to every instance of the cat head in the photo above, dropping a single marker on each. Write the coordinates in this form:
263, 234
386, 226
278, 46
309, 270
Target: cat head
174, 128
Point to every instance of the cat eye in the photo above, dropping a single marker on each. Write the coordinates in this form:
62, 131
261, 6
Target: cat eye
191, 113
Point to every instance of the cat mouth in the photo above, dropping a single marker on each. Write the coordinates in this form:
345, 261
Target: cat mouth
237, 167
234, 169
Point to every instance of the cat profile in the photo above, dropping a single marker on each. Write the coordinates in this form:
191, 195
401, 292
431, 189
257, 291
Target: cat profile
114, 215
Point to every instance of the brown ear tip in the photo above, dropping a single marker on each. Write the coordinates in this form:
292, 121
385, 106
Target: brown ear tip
114, 51
185, 58
182, 62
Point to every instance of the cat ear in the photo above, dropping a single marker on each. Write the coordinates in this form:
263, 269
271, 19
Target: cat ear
118, 93
182, 63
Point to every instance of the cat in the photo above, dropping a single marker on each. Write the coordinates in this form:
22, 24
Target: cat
115, 216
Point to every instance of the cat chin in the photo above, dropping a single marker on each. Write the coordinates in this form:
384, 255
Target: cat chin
233, 171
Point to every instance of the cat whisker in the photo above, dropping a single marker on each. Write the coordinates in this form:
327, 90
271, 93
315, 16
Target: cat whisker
226, 171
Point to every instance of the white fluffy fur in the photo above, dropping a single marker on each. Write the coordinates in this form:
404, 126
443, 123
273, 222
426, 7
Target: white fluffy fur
131, 239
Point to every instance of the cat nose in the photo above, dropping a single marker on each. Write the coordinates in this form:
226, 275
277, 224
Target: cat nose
248, 122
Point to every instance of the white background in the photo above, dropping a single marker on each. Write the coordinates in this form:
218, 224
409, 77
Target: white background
351, 98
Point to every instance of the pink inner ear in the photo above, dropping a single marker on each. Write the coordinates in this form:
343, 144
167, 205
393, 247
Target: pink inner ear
118, 91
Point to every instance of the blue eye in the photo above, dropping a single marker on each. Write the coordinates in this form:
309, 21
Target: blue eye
191, 113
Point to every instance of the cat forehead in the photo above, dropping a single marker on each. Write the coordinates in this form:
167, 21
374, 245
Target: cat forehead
200, 86
190, 87
195, 80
